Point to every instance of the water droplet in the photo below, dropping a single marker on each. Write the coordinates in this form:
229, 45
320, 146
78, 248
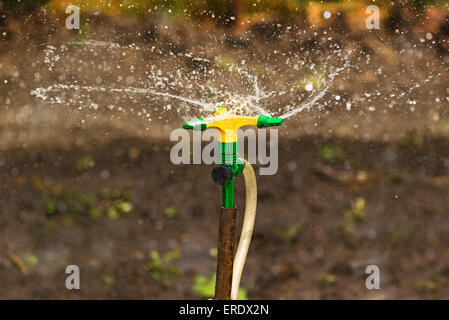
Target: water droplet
309, 87
130, 80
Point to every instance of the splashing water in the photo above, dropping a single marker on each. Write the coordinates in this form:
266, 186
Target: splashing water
249, 102
58, 93
242, 87
43, 93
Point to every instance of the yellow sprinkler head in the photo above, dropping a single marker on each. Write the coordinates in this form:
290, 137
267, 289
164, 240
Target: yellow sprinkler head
228, 123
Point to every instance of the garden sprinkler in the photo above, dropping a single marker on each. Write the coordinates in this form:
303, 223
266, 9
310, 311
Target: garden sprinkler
230, 266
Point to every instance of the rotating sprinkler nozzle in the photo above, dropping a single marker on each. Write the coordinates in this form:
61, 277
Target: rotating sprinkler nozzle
230, 267
227, 125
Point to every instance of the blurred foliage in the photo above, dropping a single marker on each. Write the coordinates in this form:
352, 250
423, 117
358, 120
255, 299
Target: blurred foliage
413, 139
316, 77
74, 204
171, 212
430, 286
82, 34
10, 3
30, 260
25, 262
291, 232
84, 163
420, 4
108, 279
326, 279
354, 214
330, 153
204, 287
162, 267
221, 10
225, 63
286, 294
397, 176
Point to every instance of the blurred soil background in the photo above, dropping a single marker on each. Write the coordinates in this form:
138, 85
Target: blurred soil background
363, 180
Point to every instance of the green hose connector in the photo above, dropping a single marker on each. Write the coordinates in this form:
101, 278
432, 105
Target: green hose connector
227, 195
264, 121
228, 156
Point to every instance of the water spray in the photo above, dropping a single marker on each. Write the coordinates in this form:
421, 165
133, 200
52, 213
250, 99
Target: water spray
230, 266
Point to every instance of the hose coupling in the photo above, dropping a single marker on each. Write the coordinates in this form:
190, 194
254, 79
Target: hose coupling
222, 174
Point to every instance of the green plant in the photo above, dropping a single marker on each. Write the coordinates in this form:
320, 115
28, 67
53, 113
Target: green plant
225, 63
326, 279
162, 267
354, 214
74, 204
330, 153
287, 294
82, 34
30, 260
429, 286
171, 212
50, 204
291, 232
204, 287
421, 4
108, 279
413, 139
84, 163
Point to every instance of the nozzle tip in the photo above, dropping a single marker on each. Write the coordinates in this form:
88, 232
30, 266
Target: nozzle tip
264, 121
219, 110
198, 124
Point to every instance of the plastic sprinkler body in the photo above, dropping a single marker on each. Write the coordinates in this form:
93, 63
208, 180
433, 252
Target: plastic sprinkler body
230, 165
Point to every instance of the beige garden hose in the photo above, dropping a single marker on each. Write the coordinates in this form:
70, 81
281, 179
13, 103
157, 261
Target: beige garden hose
247, 228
